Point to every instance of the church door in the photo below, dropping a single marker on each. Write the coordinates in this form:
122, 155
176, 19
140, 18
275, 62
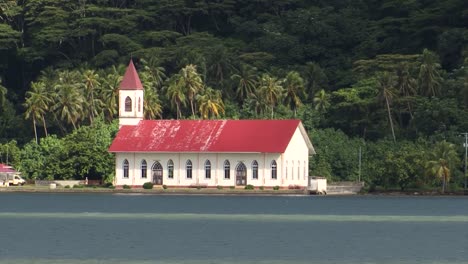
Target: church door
157, 173
241, 174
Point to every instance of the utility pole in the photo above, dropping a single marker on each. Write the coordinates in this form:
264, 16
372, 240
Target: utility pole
359, 173
466, 152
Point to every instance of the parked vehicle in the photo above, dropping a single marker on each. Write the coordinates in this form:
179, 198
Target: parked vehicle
11, 179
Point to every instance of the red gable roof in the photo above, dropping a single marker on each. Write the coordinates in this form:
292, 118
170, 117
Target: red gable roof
131, 81
264, 136
6, 168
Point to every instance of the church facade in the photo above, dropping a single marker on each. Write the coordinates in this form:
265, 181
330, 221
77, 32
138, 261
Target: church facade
205, 153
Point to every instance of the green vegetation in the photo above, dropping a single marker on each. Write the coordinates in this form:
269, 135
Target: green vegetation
148, 185
387, 77
249, 187
126, 187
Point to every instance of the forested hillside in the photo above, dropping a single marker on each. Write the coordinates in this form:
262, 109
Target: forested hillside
388, 77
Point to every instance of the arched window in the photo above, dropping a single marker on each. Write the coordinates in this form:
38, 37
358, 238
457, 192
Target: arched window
139, 104
143, 169
125, 169
274, 174
286, 169
255, 170
170, 169
207, 169
188, 169
128, 104
227, 169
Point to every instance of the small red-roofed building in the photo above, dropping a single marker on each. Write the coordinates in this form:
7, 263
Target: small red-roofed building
208, 153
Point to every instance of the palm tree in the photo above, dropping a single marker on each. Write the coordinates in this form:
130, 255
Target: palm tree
429, 77
176, 95
441, 160
151, 105
315, 78
155, 74
91, 82
321, 101
37, 105
3, 92
406, 85
69, 100
109, 93
191, 82
271, 89
245, 79
386, 84
210, 103
294, 86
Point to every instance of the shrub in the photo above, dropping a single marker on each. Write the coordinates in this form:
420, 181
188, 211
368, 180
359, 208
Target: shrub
78, 186
146, 185
67, 186
164, 186
232, 187
126, 186
112, 187
276, 188
249, 187
108, 185
219, 187
261, 188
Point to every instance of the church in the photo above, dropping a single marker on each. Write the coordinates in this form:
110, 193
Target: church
205, 153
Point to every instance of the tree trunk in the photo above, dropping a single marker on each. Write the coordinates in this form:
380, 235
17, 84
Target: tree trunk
390, 119
35, 130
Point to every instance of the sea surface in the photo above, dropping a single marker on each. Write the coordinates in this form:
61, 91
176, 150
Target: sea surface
141, 228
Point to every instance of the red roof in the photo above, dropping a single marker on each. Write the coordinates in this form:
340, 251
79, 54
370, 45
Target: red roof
6, 168
131, 81
264, 136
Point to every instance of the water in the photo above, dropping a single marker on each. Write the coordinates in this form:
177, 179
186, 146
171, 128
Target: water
106, 228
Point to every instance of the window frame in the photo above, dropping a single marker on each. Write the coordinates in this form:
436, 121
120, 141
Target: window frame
126, 169
254, 170
207, 169
188, 169
274, 170
128, 104
227, 170
170, 169
144, 169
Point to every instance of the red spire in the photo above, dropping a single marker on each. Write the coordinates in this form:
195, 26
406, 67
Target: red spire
131, 81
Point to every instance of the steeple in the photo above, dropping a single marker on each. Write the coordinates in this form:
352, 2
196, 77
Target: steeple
130, 98
131, 81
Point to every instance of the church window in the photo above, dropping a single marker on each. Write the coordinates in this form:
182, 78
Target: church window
274, 174
227, 169
188, 169
128, 104
207, 169
170, 169
255, 170
143, 169
139, 104
125, 169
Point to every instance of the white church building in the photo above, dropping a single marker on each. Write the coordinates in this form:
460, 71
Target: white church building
205, 153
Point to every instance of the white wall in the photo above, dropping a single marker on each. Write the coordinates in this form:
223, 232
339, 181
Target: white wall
292, 167
134, 116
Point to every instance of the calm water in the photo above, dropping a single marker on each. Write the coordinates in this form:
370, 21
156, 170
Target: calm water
106, 228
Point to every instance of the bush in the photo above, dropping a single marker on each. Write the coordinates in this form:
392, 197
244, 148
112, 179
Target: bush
146, 185
249, 187
108, 185
232, 187
78, 186
219, 187
261, 188
67, 186
126, 186
112, 187
164, 186
276, 188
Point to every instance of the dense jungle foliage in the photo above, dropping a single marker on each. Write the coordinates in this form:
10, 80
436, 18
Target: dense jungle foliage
387, 77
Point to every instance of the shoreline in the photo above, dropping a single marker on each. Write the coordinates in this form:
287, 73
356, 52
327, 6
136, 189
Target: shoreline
210, 191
